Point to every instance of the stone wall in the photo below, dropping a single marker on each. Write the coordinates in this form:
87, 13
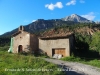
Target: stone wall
47, 45
34, 43
21, 39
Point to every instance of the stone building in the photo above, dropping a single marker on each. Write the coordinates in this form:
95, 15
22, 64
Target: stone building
52, 45
23, 41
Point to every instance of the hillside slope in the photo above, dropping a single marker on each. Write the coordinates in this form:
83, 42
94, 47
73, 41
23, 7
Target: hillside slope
41, 24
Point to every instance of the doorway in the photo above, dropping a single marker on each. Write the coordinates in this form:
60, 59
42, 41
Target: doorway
59, 51
20, 48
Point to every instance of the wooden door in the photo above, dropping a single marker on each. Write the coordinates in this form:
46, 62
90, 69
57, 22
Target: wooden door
20, 48
59, 51
62, 52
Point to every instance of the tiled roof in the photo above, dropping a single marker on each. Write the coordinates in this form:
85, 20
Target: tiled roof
56, 36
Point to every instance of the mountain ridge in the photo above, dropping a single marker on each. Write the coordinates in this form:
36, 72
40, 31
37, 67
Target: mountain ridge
41, 24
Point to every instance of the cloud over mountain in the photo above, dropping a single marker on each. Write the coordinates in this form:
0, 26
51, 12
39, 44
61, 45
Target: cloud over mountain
89, 16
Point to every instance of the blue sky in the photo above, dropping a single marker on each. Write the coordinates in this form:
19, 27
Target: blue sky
14, 13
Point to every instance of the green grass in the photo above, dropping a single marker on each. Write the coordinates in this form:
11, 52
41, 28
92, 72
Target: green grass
17, 64
4, 48
71, 59
93, 62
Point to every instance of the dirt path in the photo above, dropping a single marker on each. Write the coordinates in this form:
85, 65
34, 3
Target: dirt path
74, 68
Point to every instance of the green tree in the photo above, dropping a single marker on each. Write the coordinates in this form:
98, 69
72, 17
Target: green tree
95, 43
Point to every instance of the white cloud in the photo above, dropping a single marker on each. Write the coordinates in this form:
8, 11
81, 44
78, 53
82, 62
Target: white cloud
33, 20
53, 6
82, 1
72, 2
59, 5
89, 16
50, 6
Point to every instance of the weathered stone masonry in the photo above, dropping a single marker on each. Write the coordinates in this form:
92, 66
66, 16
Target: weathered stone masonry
56, 45
50, 45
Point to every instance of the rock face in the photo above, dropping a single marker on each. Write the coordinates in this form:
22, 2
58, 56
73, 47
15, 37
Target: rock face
42, 24
77, 18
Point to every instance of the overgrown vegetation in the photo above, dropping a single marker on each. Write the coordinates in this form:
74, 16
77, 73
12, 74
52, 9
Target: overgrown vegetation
87, 45
17, 64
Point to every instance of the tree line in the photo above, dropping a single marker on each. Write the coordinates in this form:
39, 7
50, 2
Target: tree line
5, 41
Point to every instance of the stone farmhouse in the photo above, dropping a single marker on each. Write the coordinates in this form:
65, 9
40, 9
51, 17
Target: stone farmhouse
56, 45
23, 41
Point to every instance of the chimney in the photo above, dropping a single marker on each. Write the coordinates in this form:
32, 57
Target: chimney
21, 28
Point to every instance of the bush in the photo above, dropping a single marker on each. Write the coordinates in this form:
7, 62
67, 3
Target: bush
94, 62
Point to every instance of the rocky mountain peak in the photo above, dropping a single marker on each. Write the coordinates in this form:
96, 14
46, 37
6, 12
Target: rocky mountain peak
74, 15
76, 18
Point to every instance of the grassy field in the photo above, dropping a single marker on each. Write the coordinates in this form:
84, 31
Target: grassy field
18, 64
92, 62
